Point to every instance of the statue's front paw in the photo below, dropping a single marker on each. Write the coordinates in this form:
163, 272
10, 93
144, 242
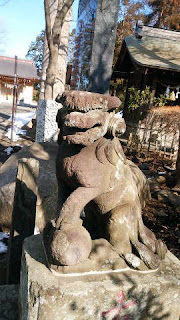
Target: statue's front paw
70, 246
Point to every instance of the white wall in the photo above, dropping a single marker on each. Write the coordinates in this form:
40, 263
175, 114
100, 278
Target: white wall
27, 94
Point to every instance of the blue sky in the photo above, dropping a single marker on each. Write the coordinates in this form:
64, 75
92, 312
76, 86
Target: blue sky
20, 22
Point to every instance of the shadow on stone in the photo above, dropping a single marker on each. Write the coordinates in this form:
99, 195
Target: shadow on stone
96, 295
24, 214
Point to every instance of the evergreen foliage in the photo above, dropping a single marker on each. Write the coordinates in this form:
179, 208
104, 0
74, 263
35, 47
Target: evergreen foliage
35, 51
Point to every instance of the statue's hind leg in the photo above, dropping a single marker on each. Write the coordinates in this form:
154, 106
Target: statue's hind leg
119, 227
149, 239
132, 239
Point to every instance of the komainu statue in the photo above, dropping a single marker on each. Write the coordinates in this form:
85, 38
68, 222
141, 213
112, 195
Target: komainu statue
101, 193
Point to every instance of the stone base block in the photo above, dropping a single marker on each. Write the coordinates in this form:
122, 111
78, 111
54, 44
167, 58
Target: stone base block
119, 294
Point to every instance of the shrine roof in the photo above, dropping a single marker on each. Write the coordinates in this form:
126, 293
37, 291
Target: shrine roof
158, 48
25, 68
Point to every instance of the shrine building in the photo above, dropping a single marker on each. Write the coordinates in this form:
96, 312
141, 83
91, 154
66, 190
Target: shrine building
151, 57
26, 78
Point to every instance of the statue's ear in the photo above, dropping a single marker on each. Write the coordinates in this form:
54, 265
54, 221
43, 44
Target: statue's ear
121, 125
117, 125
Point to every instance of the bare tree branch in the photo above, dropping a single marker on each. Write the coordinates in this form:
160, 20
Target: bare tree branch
55, 14
48, 23
62, 10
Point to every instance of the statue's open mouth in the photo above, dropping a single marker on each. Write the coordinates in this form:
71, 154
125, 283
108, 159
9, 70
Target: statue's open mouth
79, 131
85, 128
83, 136
86, 117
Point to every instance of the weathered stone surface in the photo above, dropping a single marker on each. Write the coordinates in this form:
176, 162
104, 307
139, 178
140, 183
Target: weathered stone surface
46, 129
154, 185
24, 213
84, 101
9, 302
144, 166
45, 153
161, 179
86, 296
160, 213
150, 173
95, 177
169, 197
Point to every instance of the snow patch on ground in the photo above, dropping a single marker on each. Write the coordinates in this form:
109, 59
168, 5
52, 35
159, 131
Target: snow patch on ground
20, 120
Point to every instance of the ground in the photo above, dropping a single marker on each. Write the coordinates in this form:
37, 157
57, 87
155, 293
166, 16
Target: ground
5, 113
165, 227
161, 218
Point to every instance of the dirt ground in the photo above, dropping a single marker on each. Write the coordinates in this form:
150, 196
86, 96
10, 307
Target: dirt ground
165, 227
160, 217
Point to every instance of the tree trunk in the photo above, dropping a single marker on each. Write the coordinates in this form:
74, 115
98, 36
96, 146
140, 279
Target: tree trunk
54, 56
58, 15
103, 45
51, 73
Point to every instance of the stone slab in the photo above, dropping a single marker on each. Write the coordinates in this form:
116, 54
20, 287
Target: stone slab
46, 206
23, 215
96, 295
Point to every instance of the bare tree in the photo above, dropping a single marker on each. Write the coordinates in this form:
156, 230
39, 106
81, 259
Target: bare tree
57, 14
53, 35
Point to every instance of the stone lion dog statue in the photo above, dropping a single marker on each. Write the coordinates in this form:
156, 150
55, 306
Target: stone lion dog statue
101, 193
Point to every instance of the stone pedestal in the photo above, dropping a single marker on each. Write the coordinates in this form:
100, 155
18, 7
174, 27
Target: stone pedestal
46, 128
96, 295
